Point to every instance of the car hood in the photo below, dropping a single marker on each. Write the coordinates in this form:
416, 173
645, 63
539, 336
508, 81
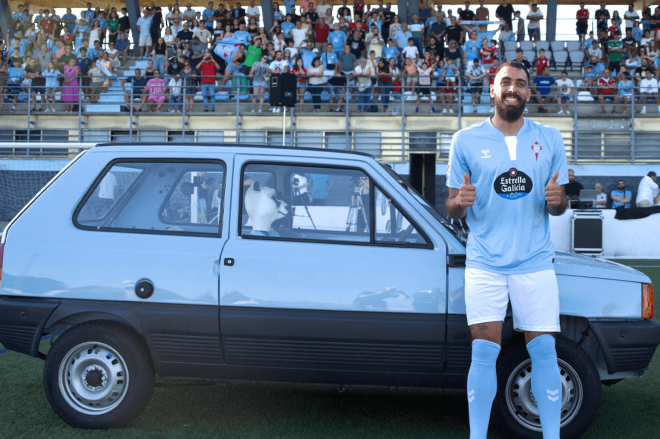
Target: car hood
572, 264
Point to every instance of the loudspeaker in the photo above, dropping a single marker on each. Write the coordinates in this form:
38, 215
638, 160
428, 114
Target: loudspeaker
587, 232
282, 91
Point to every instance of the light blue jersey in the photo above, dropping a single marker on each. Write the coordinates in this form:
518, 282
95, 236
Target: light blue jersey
509, 222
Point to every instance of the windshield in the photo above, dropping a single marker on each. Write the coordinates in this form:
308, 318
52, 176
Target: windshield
458, 229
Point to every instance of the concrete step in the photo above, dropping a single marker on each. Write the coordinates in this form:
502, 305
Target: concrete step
102, 108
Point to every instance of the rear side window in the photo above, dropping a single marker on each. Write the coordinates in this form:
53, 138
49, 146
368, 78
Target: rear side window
156, 197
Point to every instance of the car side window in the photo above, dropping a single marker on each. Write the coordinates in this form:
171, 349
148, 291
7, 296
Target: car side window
156, 197
314, 203
392, 226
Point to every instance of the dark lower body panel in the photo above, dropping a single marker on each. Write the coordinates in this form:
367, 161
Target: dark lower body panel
629, 345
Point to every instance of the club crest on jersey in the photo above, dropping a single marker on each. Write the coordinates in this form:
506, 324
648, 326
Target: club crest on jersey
513, 184
485, 154
537, 148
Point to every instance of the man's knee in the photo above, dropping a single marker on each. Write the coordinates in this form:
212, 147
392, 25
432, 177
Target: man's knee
490, 331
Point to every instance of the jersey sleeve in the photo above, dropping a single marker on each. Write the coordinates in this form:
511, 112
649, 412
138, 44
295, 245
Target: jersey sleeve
456, 166
559, 162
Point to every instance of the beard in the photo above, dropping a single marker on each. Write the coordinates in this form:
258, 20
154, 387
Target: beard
508, 112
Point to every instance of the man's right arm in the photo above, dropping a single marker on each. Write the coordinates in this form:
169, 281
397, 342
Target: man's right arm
460, 199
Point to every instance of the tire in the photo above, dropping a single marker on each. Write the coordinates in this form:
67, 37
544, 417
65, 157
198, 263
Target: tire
92, 353
515, 411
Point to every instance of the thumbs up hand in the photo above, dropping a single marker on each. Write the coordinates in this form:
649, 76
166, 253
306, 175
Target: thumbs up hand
467, 193
553, 191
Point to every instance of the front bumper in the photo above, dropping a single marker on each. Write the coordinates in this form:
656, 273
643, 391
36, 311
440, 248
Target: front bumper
627, 345
22, 323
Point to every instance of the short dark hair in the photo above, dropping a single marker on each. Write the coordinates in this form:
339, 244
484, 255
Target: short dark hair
519, 50
651, 174
518, 65
564, 71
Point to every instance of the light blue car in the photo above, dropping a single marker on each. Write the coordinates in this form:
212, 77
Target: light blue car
297, 265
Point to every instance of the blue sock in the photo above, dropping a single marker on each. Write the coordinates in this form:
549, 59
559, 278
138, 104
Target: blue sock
546, 383
482, 386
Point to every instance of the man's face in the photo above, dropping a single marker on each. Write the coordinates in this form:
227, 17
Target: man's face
278, 56
602, 5
546, 71
519, 56
571, 176
621, 185
467, 5
310, 46
511, 92
44, 49
138, 73
347, 49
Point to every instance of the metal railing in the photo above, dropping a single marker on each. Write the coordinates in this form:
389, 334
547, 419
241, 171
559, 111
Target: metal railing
360, 121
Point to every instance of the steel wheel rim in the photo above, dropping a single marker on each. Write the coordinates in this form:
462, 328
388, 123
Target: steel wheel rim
93, 378
521, 403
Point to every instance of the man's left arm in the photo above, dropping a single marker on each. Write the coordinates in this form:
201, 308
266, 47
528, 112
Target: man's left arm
555, 195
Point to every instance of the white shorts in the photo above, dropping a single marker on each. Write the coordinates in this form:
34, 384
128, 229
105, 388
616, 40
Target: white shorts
534, 299
145, 41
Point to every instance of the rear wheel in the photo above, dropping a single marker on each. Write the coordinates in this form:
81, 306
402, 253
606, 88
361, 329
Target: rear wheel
515, 409
98, 375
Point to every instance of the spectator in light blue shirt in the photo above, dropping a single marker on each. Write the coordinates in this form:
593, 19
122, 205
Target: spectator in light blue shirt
657, 62
637, 32
19, 15
621, 196
308, 55
287, 27
208, 14
338, 39
289, 5
390, 51
242, 34
70, 16
89, 14
401, 36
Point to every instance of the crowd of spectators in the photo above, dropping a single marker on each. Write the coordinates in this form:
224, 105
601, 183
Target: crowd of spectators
648, 194
368, 54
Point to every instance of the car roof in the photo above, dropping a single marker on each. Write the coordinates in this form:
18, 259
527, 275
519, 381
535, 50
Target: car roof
236, 148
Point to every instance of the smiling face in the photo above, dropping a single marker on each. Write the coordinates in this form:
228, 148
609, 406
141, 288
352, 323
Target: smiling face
511, 92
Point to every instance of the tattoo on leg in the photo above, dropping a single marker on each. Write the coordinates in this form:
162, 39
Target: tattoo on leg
482, 327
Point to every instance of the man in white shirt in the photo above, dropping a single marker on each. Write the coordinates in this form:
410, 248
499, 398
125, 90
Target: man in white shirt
299, 34
648, 87
279, 65
253, 11
594, 50
410, 51
601, 198
534, 26
565, 86
144, 26
630, 16
648, 193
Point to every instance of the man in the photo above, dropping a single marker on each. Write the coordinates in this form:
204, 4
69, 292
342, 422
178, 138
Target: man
189, 13
503, 12
648, 88
647, 193
124, 23
534, 27
416, 27
356, 44
629, 44
509, 251
594, 51
123, 45
602, 18
242, 34
323, 7
437, 31
621, 196
476, 75
69, 20
198, 50
607, 90
43, 57
582, 25
343, 9
19, 15
572, 188
38, 82
482, 12
401, 37
452, 32
630, 16
542, 89
144, 28
299, 35
321, 185
466, 14
337, 38
136, 88
520, 27
252, 11
208, 68
321, 33
208, 14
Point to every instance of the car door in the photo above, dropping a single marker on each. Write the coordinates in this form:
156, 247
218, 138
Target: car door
149, 235
323, 270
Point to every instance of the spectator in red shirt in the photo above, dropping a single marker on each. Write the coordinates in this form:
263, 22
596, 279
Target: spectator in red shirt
209, 68
541, 62
492, 72
607, 90
321, 32
47, 24
358, 7
486, 54
582, 25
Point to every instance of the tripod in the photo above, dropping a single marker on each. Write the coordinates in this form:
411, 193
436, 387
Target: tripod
357, 207
296, 193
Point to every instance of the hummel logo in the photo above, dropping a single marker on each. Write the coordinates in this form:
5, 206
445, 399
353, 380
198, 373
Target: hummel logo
553, 398
471, 396
485, 153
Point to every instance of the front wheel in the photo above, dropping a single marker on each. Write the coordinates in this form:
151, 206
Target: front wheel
515, 409
98, 375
